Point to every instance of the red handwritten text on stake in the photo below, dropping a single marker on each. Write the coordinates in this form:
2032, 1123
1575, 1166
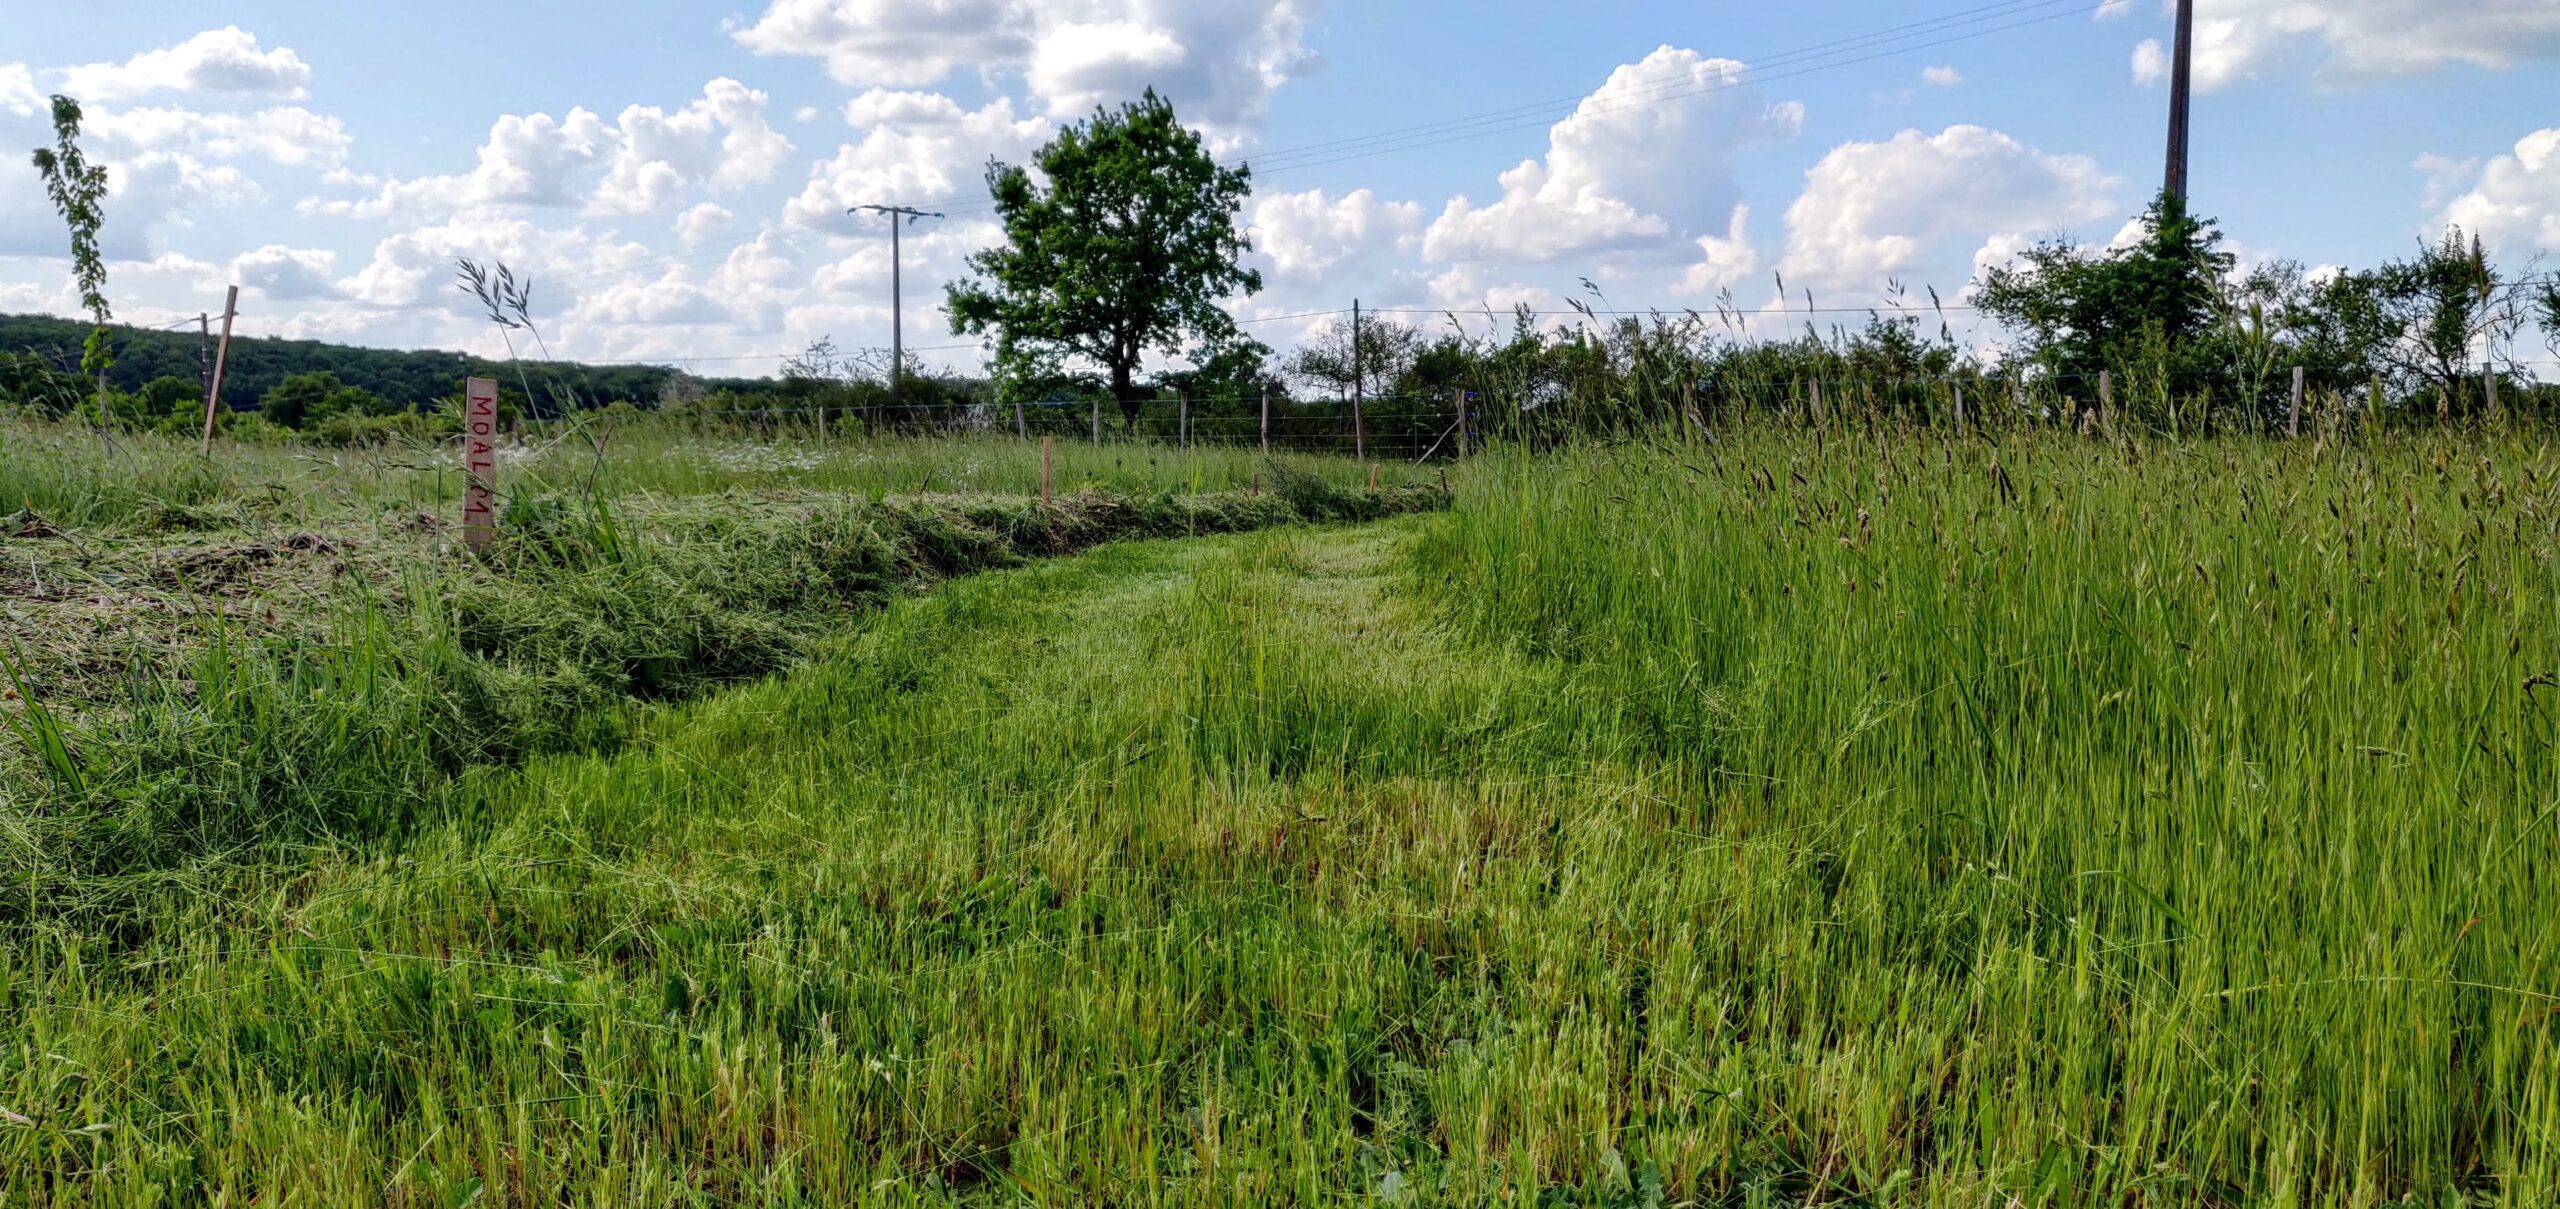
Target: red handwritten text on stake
479, 463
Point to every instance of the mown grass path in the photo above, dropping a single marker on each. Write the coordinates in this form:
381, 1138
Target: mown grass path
1178, 872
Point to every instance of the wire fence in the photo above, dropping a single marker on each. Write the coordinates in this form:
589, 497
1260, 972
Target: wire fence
1447, 423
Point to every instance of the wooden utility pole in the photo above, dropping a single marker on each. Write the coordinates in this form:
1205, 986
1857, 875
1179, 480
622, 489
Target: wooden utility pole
2181, 78
897, 215
221, 361
1359, 387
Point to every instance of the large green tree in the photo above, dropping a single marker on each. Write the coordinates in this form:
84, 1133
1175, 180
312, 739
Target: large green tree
2082, 311
1125, 243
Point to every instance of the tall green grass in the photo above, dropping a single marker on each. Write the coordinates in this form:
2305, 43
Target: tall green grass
1767, 823
2175, 821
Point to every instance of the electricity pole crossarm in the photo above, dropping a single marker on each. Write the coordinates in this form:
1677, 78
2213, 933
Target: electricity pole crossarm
897, 216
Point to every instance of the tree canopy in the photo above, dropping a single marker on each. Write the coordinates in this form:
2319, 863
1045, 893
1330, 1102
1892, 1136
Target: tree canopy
2081, 310
1125, 243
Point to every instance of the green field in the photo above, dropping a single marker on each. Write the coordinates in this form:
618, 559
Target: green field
1780, 820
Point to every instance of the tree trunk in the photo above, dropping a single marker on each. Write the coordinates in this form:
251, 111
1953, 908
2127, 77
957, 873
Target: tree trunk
1129, 397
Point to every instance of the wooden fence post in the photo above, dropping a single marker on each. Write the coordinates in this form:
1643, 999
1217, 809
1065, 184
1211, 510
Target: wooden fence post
2489, 388
1021, 429
221, 360
1959, 409
2107, 401
2293, 413
1373, 478
1462, 424
479, 462
1184, 425
1097, 422
1817, 403
1045, 454
1266, 423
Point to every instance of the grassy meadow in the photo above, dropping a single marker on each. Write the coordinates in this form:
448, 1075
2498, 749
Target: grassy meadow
1778, 820
74, 477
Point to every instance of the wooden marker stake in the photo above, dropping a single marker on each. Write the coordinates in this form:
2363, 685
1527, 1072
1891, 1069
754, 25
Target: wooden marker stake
221, 358
479, 463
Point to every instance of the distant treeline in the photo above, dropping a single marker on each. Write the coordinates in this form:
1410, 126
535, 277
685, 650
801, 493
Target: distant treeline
407, 380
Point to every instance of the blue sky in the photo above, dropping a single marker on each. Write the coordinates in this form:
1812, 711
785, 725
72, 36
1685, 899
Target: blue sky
673, 174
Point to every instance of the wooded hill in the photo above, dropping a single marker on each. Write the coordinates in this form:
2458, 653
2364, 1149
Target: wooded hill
409, 378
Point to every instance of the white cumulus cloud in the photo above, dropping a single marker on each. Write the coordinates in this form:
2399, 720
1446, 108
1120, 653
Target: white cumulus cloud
1218, 60
18, 93
1641, 161
2514, 205
226, 60
1311, 235
288, 135
720, 141
915, 146
1725, 260
702, 222
1873, 210
648, 160
2359, 40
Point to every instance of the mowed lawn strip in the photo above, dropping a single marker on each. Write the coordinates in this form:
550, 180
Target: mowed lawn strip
1177, 871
